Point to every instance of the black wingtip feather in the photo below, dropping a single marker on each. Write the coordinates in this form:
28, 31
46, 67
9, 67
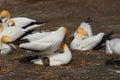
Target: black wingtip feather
87, 20
33, 23
42, 22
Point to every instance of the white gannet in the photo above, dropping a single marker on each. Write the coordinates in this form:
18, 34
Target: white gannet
13, 32
81, 43
56, 59
6, 45
21, 22
90, 42
80, 35
113, 47
48, 44
87, 27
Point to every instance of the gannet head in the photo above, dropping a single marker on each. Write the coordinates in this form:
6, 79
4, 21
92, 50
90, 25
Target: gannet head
81, 31
1, 27
64, 46
7, 40
65, 30
11, 23
4, 15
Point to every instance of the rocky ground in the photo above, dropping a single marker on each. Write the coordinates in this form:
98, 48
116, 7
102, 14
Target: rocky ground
105, 17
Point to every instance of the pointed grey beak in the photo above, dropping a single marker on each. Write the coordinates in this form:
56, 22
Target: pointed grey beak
12, 45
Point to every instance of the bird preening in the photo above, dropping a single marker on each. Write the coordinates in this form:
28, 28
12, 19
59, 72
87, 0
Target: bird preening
21, 31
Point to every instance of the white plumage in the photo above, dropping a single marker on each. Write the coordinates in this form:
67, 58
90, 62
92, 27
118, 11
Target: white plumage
90, 42
57, 59
87, 28
37, 36
81, 43
48, 44
113, 47
20, 22
13, 32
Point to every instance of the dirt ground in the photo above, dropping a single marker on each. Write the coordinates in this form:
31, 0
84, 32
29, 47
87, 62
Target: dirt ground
105, 17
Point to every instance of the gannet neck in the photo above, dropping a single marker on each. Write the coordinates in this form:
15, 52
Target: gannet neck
1, 27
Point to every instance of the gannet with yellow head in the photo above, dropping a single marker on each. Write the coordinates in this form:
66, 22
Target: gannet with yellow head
56, 59
87, 27
21, 22
81, 34
6, 45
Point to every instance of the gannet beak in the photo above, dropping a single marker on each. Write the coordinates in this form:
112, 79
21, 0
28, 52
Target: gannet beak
12, 45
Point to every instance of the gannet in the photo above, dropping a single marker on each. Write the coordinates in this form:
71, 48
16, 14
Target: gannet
13, 32
113, 46
6, 45
81, 43
56, 59
80, 35
90, 42
21, 22
87, 27
48, 44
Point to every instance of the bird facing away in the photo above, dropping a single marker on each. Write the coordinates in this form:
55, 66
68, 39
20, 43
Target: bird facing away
56, 59
48, 44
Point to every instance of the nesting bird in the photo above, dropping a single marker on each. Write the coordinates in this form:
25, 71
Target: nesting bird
56, 59
112, 47
85, 25
13, 32
84, 39
21, 22
16, 28
48, 44
80, 34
